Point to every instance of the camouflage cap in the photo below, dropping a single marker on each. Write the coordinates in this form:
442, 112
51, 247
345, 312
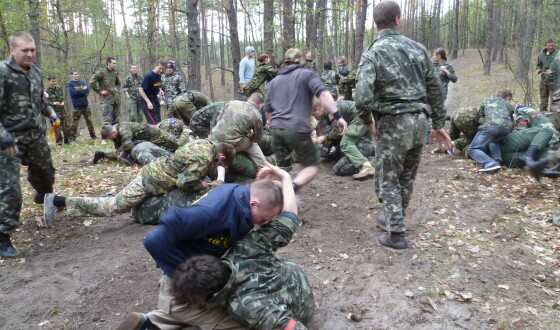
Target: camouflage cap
293, 55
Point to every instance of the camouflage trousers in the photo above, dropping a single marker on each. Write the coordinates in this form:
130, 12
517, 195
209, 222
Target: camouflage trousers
149, 211
344, 167
35, 153
546, 91
134, 111
110, 113
243, 168
252, 149
77, 114
173, 315
146, 152
132, 195
63, 131
400, 140
183, 108
354, 132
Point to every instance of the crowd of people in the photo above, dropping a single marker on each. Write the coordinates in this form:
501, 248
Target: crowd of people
219, 271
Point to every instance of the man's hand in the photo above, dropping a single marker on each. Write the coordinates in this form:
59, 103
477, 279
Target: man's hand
340, 98
442, 137
104, 93
54, 119
8, 145
150, 105
126, 95
216, 183
342, 125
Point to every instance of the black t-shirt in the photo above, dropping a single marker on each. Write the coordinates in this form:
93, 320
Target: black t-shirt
151, 85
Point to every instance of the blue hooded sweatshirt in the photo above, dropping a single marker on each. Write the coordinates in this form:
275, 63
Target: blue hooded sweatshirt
209, 226
78, 94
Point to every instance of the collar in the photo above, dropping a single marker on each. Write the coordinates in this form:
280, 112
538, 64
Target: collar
388, 32
12, 64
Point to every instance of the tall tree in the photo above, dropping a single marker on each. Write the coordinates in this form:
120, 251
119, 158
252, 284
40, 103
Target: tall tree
455, 49
288, 27
126, 35
35, 28
193, 45
361, 17
268, 27
231, 11
490, 39
524, 59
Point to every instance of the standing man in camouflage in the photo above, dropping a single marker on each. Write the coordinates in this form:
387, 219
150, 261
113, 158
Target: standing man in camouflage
544, 61
22, 135
78, 94
56, 98
130, 88
342, 64
330, 79
397, 84
172, 85
106, 83
309, 62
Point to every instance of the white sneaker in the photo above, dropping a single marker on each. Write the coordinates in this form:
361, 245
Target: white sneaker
493, 168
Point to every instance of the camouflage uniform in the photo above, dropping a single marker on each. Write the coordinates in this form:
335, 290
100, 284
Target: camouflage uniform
186, 104
131, 85
173, 126
242, 168
149, 211
146, 152
527, 117
546, 87
445, 79
465, 121
264, 291
129, 134
172, 85
21, 107
183, 170
343, 71
399, 95
240, 124
106, 80
514, 145
263, 72
309, 64
205, 119
330, 79
344, 167
497, 122
63, 130
346, 85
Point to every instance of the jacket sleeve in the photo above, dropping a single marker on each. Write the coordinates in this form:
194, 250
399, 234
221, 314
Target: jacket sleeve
365, 89
94, 82
434, 93
452, 76
242, 65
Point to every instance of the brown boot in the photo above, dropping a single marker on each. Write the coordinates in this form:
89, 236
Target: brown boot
366, 170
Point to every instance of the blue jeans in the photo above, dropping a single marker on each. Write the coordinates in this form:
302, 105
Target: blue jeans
488, 137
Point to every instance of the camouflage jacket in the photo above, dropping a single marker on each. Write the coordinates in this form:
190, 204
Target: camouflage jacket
56, 95
343, 71
21, 98
330, 79
528, 117
395, 76
445, 78
466, 121
131, 84
496, 112
346, 85
106, 80
544, 61
130, 133
204, 120
237, 121
263, 72
264, 291
348, 111
309, 64
172, 85
184, 170
172, 125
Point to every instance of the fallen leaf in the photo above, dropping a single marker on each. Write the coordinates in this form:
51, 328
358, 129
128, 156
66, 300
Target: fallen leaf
343, 256
87, 223
449, 295
464, 296
326, 282
503, 286
409, 294
474, 249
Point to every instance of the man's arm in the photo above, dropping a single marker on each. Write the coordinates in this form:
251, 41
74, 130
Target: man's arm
365, 89
329, 103
94, 82
242, 65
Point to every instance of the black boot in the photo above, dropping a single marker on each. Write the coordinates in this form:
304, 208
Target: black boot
394, 241
98, 156
7, 250
531, 160
66, 141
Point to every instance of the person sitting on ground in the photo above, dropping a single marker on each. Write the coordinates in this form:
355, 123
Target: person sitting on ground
210, 226
355, 130
260, 290
184, 170
186, 104
497, 122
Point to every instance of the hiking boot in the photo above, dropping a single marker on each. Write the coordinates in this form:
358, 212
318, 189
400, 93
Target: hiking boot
367, 170
490, 169
66, 141
49, 210
381, 222
99, 155
135, 321
7, 250
125, 161
93, 137
393, 241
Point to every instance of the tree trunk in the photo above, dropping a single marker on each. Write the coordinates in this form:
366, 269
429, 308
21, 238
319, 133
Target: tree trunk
35, 28
497, 30
193, 44
455, 50
268, 28
490, 39
222, 49
361, 17
126, 36
234, 39
288, 30
206, 51
524, 60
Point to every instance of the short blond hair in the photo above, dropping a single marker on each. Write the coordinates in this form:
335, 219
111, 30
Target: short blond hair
16, 37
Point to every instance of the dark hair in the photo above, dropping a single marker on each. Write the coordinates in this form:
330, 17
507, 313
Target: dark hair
198, 278
51, 77
550, 41
327, 65
162, 63
72, 71
262, 58
504, 94
110, 59
228, 151
384, 14
441, 52
106, 131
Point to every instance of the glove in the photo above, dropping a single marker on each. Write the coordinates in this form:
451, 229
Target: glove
54, 119
7, 141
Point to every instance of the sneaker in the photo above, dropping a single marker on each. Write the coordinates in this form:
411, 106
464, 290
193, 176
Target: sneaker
7, 250
98, 156
134, 321
367, 170
393, 241
381, 222
39, 198
490, 169
49, 210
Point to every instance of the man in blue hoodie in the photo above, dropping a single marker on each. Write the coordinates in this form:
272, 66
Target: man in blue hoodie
78, 93
209, 226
